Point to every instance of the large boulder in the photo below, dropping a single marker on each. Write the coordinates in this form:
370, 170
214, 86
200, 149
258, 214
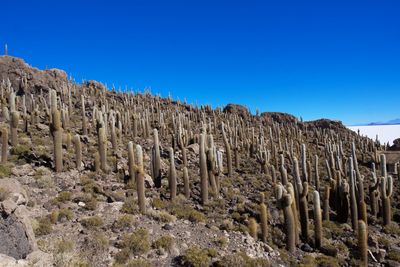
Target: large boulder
16, 233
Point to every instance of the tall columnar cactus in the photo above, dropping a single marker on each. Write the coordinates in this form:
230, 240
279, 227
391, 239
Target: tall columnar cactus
140, 179
253, 228
291, 191
317, 220
343, 201
362, 242
131, 162
353, 200
301, 189
228, 151
14, 127
172, 174
316, 174
4, 145
84, 119
56, 132
68, 141
283, 171
203, 170
386, 188
326, 208
373, 192
304, 163
211, 167
156, 160
263, 219
78, 151
102, 143
284, 202
186, 182
182, 143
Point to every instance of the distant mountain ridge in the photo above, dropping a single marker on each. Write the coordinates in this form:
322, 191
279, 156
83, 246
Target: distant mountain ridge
391, 122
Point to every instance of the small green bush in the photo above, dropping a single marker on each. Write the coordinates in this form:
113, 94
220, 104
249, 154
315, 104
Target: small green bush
137, 242
196, 257
43, 226
92, 222
124, 222
165, 242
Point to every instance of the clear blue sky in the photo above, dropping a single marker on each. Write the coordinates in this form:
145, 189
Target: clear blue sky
333, 59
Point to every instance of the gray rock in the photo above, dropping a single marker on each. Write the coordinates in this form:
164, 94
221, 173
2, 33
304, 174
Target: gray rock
14, 241
7, 207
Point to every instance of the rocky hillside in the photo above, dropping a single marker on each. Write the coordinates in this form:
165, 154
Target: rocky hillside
94, 177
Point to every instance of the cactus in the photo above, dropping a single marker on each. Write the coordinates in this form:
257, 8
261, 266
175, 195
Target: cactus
263, 219
78, 151
373, 192
353, 201
343, 201
301, 191
386, 188
317, 220
228, 151
253, 228
172, 174
362, 242
284, 202
326, 208
212, 170
203, 170
139, 174
290, 190
14, 127
186, 182
156, 160
4, 145
102, 143
84, 120
131, 162
316, 173
56, 132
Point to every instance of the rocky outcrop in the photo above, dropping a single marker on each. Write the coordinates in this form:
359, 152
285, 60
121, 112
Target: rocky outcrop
237, 109
326, 124
279, 117
15, 69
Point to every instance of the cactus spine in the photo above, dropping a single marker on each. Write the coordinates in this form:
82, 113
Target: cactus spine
140, 178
